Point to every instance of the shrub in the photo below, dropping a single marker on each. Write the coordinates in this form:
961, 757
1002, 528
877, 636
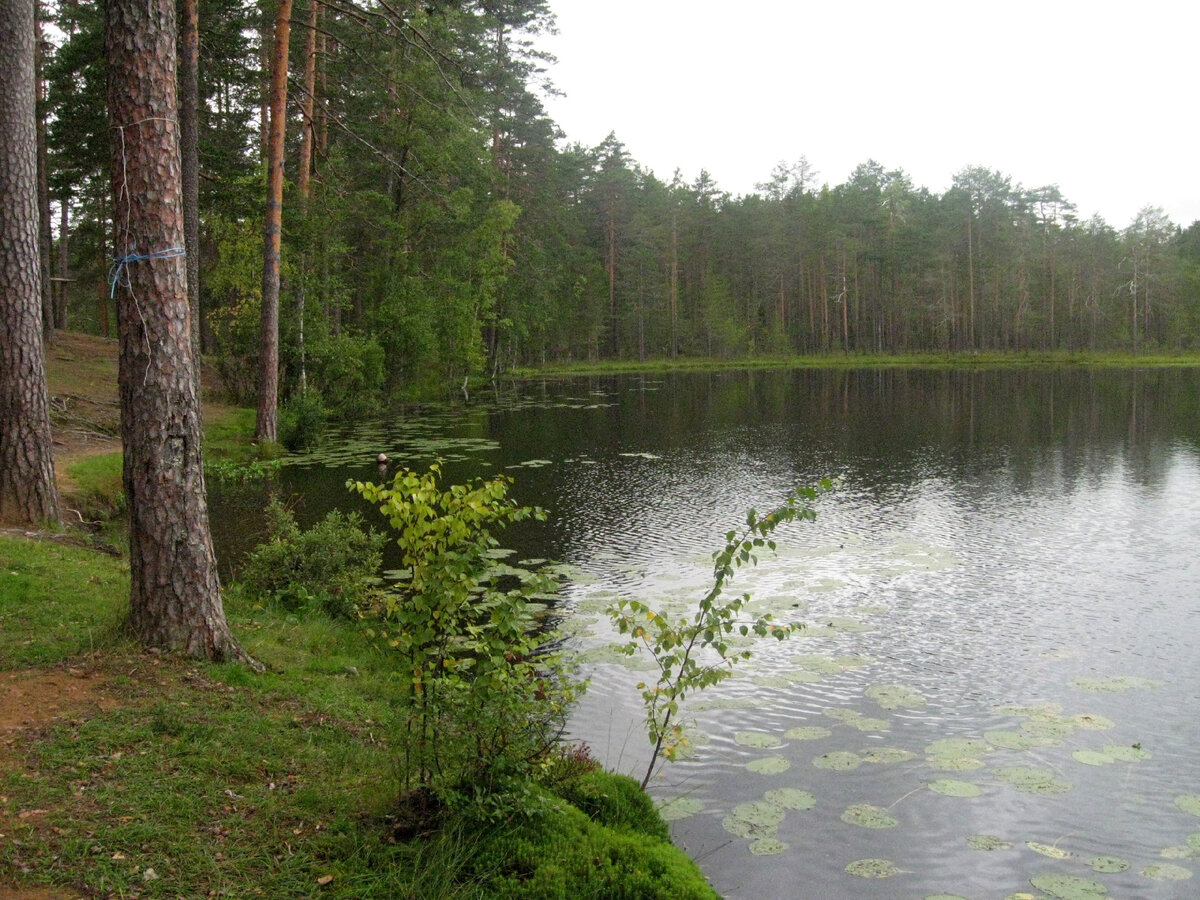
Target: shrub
487, 701
302, 422
330, 567
349, 372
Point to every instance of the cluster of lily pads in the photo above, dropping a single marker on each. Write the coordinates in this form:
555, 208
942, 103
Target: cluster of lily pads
1038, 727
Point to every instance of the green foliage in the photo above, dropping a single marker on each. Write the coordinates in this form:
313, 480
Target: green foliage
488, 701
684, 649
349, 372
302, 422
241, 472
329, 567
234, 284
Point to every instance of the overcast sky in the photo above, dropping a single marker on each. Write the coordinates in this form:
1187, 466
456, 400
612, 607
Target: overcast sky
1101, 98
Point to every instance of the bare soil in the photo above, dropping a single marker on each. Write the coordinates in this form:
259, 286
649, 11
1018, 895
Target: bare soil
31, 700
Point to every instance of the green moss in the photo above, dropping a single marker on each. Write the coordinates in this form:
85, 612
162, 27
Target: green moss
564, 852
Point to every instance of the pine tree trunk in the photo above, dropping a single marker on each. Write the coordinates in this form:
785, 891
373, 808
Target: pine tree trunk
64, 264
308, 127
45, 238
175, 596
28, 494
189, 133
268, 362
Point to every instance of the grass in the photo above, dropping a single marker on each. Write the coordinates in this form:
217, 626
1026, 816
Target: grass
839, 360
56, 601
196, 780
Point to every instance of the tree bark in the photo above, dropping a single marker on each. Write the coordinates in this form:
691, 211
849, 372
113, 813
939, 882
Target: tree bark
28, 494
307, 103
189, 132
175, 595
64, 263
45, 238
268, 361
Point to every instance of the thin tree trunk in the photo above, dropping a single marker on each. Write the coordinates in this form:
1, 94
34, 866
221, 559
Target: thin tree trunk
189, 132
64, 264
268, 365
175, 595
28, 494
303, 176
45, 238
307, 103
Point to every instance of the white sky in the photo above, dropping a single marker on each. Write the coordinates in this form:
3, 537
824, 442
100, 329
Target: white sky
1101, 97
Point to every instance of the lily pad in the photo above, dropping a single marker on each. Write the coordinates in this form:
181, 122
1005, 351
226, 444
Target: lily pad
1032, 781
754, 820
1048, 728
887, 755
948, 787
866, 816
772, 681
768, 765
1166, 872
895, 696
1049, 850
1127, 754
855, 719
767, 846
1189, 803
1012, 740
1093, 722
1108, 863
829, 665
987, 842
838, 761
1093, 758
807, 733
677, 808
1069, 887
953, 763
872, 868
1115, 684
791, 798
1179, 852
758, 739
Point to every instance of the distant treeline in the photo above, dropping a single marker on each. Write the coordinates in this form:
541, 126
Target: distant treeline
447, 231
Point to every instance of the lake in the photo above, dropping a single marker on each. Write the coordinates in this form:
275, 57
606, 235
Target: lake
998, 686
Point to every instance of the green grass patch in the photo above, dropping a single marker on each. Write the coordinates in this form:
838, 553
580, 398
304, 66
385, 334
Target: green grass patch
202, 780
99, 492
839, 360
57, 601
229, 433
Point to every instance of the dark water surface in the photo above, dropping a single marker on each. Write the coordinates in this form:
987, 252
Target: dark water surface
1013, 558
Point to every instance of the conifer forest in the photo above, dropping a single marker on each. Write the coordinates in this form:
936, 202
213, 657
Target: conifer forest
436, 225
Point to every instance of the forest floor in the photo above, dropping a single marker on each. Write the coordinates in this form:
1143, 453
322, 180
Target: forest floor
126, 773
85, 422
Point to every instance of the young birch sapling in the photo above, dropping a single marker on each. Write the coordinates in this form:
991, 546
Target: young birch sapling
683, 649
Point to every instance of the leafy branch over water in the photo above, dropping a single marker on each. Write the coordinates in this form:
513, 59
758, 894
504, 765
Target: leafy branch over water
683, 649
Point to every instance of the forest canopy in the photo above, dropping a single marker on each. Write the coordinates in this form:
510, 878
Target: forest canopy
448, 229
